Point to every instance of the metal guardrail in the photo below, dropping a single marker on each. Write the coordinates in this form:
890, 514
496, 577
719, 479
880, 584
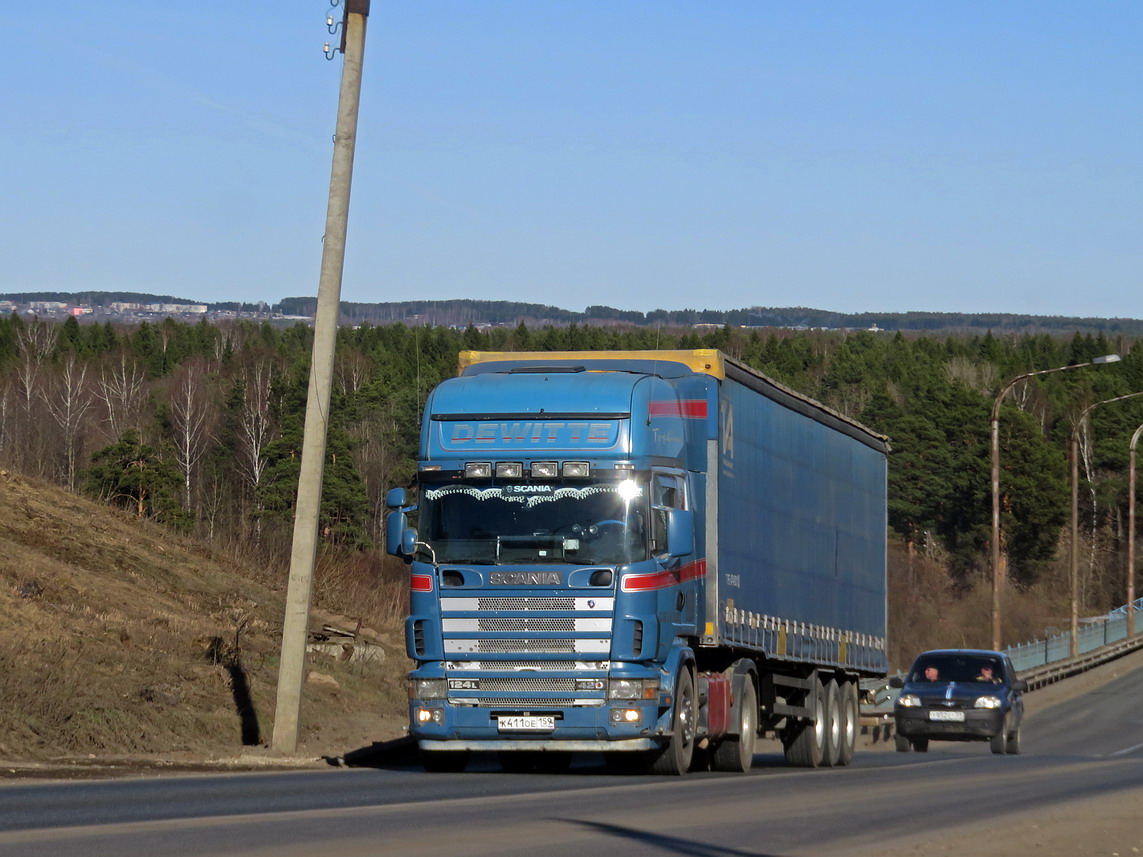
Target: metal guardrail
1039, 662
1096, 634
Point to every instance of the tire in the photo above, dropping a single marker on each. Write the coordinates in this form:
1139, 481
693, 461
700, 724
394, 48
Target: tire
921, 745
850, 722
904, 745
996, 742
736, 753
805, 746
1012, 745
833, 716
444, 761
675, 758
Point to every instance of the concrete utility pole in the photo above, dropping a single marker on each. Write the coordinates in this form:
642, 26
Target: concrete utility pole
291, 671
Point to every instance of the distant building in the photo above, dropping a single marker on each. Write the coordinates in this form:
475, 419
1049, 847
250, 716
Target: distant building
177, 309
81, 310
47, 306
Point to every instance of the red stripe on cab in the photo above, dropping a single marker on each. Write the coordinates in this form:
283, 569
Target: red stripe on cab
664, 579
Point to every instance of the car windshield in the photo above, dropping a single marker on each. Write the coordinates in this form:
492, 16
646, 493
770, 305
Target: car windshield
596, 523
957, 667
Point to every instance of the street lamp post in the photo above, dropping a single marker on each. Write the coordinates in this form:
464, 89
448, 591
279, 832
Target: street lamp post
1075, 514
995, 429
1131, 535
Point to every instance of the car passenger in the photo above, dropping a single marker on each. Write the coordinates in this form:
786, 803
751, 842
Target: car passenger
987, 675
932, 673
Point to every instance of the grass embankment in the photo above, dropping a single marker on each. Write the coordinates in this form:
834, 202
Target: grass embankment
118, 638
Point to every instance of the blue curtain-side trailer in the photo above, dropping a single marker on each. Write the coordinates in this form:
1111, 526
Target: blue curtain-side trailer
657, 555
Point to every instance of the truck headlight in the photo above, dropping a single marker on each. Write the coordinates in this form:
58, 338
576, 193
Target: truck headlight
633, 688
909, 700
428, 688
988, 702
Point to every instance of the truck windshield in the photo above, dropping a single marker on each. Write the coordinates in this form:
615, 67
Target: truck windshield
598, 523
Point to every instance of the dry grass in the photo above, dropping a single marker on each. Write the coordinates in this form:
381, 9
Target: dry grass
117, 638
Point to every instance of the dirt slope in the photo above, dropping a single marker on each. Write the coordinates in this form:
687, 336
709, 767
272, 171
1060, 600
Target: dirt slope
118, 639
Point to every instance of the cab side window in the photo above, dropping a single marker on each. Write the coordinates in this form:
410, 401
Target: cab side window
667, 492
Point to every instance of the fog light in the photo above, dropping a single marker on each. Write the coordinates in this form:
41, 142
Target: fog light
577, 469
625, 715
478, 470
509, 469
544, 469
430, 715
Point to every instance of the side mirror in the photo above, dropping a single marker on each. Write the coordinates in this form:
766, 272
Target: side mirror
680, 532
395, 499
896, 681
408, 541
1020, 685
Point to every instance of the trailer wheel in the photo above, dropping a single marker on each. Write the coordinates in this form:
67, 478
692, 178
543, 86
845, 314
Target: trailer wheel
805, 745
444, 761
850, 719
833, 725
737, 753
675, 758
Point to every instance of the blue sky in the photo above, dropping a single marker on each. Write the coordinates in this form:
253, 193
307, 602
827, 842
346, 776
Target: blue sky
848, 156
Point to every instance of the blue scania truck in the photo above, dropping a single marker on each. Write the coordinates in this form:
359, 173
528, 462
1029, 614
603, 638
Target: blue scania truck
657, 555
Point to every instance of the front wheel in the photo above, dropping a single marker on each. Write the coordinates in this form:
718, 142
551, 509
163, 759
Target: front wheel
1012, 745
903, 744
675, 758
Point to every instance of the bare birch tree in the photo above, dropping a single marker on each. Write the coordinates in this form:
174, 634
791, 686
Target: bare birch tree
68, 399
192, 421
255, 424
35, 343
120, 388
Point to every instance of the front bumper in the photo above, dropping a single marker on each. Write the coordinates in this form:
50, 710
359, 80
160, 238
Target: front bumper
979, 724
594, 725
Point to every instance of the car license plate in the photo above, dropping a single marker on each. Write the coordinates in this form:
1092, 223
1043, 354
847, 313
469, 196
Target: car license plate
953, 716
526, 724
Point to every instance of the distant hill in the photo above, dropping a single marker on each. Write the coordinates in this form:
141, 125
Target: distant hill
461, 313
465, 312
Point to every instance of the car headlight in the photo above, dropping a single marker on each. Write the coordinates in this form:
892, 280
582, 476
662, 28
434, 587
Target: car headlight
988, 702
909, 700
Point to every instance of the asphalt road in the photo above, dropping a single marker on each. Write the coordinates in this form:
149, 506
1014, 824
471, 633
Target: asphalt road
1089, 747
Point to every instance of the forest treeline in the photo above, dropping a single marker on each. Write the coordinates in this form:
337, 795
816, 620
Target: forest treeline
200, 425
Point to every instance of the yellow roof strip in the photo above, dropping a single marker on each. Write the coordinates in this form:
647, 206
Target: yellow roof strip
707, 361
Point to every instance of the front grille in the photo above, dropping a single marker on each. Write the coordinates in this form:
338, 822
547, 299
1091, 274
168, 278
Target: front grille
565, 624
533, 704
525, 603
492, 646
527, 666
527, 685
